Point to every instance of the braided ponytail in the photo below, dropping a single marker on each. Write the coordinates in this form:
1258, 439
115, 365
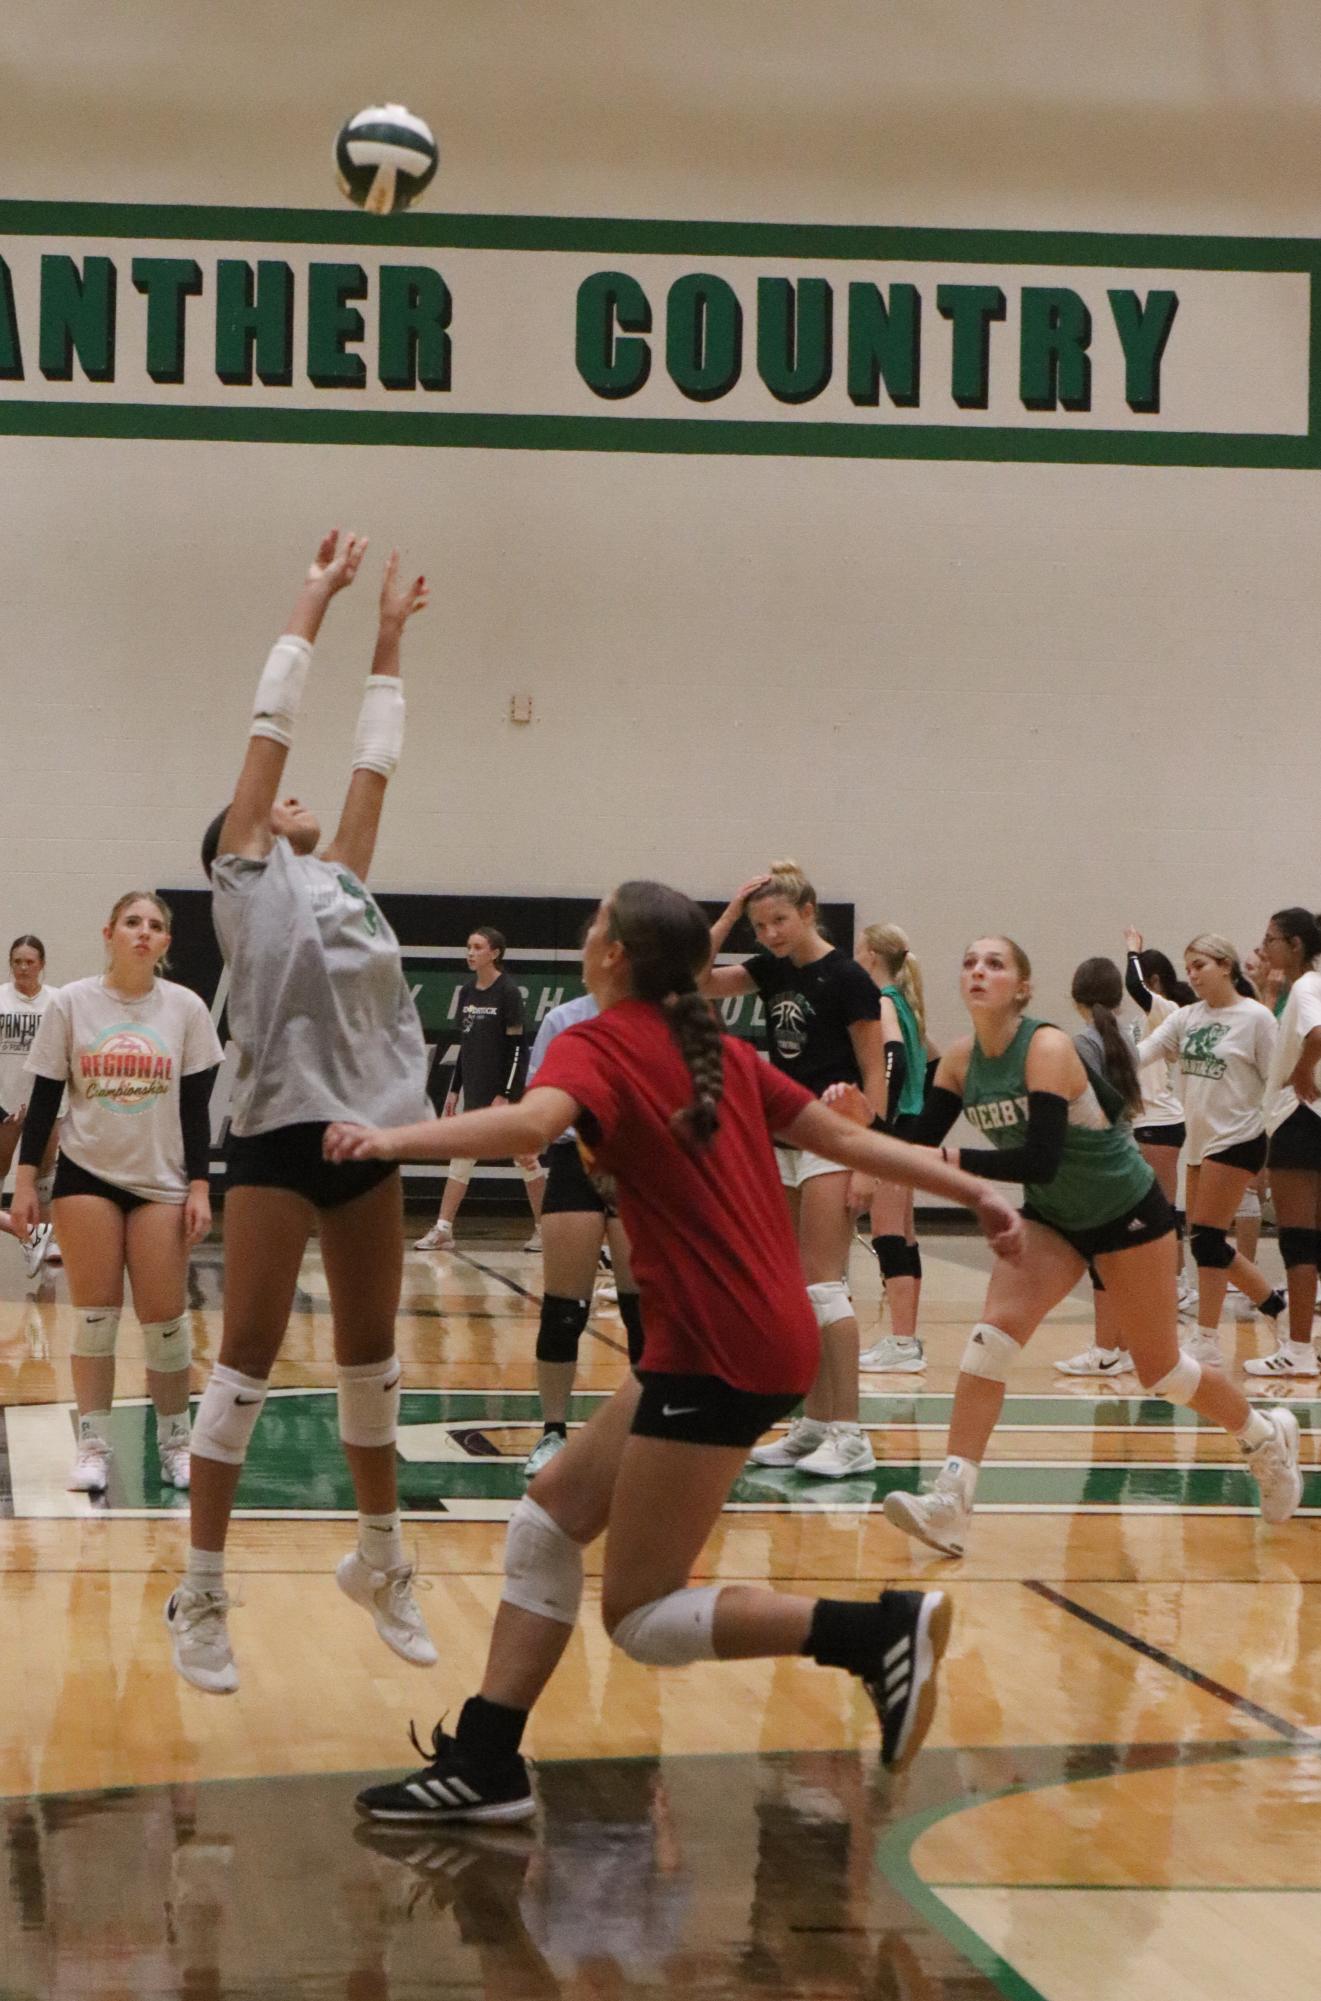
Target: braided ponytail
668, 942
697, 1033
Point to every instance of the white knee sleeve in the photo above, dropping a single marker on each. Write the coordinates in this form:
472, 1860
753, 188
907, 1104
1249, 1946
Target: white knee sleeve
380, 734
531, 1171
460, 1170
45, 1189
1180, 1385
369, 1402
280, 689
671, 1631
96, 1331
543, 1566
167, 1344
989, 1353
227, 1415
830, 1302
1249, 1209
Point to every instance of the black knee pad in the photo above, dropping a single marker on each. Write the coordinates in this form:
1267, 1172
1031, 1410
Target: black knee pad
1211, 1248
890, 1256
912, 1261
630, 1312
562, 1323
1299, 1247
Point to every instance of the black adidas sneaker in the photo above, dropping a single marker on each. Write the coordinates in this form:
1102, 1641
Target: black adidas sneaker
454, 1786
903, 1684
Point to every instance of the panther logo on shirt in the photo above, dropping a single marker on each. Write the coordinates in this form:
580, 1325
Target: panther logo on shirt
1197, 1058
790, 1015
126, 1068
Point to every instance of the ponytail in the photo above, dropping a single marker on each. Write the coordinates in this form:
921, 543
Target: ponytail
668, 942
1098, 985
890, 945
697, 1033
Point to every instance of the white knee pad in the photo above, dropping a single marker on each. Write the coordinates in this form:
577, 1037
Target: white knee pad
227, 1414
1249, 1209
830, 1302
990, 1353
167, 1344
96, 1331
671, 1631
1180, 1385
543, 1566
369, 1402
460, 1170
45, 1189
531, 1170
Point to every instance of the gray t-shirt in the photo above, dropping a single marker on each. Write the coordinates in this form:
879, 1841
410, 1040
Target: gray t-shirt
318, 1006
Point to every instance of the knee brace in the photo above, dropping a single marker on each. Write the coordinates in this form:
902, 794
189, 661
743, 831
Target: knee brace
45, 1189
630, 1312
1211, 1248
1299, 1247
990, 1354
167, 1345
96, 1331
560, 1328
460, 1170
369, 1401
672, 1631
1180, 1385
226, 1415
1249, 1209
830, 1302
543, 1566
531, 1170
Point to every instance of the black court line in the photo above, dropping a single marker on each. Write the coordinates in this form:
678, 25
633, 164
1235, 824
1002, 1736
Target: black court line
1294, 1733
535, 1297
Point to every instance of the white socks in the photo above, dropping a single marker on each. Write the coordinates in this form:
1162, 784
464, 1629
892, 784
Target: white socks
206, 1569
92, 1424
1255, 1432
960, 1474
381, 1541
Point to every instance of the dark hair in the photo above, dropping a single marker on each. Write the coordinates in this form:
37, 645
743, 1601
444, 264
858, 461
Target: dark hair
211, 840
1171, 986
668, 941
1302, 927
1099, 985
34, 944
495, 939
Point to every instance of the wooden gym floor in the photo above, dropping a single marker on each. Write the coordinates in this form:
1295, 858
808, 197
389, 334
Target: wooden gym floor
1121, 1788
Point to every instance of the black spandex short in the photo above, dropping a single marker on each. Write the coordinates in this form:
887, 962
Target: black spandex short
1146, 1222
290, 1157
704, 1410
570, 1190
1161, 1135
1297, 1143
1249, 1154
70, 1179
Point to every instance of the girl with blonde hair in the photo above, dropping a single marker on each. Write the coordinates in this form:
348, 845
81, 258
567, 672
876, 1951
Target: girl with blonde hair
885, 956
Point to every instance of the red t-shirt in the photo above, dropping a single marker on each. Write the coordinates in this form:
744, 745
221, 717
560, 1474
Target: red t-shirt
713, 1247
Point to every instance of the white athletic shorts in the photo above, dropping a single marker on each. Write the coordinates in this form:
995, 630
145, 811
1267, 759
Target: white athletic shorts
797, 1165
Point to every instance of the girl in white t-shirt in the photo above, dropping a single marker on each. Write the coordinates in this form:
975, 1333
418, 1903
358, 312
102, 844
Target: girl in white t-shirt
1292, 947
1223, 1044
23, 1001
138, 1055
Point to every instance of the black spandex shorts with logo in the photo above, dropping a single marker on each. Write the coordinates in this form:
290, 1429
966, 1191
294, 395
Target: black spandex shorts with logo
290, 1157
1297, 1143
1249, 1155
70, 1179
1161, 1135
570, 1190
1145, 1223
705, 1410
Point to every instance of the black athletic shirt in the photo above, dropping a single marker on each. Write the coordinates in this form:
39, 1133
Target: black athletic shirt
809, 1011
492, 1058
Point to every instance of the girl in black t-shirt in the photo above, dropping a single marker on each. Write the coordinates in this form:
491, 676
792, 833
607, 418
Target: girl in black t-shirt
823, 1026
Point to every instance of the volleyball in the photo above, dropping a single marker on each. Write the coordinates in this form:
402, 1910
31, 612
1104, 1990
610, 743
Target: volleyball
384, 158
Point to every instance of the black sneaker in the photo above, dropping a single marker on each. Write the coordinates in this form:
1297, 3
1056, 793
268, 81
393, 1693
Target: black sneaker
454, 1786
903, 1688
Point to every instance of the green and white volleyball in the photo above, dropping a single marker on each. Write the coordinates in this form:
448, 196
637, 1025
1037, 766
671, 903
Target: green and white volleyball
385, 157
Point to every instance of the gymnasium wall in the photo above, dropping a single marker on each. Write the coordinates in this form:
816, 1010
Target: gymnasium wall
1000, 690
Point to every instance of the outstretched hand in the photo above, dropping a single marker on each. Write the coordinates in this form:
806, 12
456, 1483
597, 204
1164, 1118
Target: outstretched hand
849, 1102
335, 564
1001, 1225
343, 1141
1132, 939
400, 601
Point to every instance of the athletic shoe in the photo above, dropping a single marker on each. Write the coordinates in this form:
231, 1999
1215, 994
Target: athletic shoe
1241, 1306
845, 1449
1203, 1346
1274, 1467
36, 1248
54, 1255
903, 1686
440, 1237
1187, 1299
894, 1355
1284, 1362
940, 1518
199, 1638
534, 1241
176, 1467
388, 1596
91, 1469
803, 1436
1096, 1361
549, 1443
453, 1786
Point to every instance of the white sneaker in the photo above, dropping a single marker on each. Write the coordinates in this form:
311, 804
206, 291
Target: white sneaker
940, 1518
199, 1638
803, 1436
440, 1237
91, 1468
1187, 1299
388, 1596
845, 1449
1203, 1346
176, 1464
1274, 1467
895, 1355
54, 1255
542, 1453
1284, 1362
534, 1241
1096, 1361
1241, 1306
36, 1248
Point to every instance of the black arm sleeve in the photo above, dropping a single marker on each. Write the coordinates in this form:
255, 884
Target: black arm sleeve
1038, 1159
43, 1110
896, 1076
516, 1075
936, 1116
195, 1122
1138, 990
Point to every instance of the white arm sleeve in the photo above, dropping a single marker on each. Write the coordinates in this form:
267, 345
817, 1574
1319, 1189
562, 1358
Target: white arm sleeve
380, 733
280, 689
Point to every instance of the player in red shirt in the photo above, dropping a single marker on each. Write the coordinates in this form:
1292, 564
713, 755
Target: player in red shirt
681, 1117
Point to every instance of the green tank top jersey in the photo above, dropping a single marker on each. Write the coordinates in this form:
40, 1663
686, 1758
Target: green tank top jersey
1102, 1174
913, 1095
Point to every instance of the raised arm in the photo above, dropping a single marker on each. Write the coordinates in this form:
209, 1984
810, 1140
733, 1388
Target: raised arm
247, 827
380, 735
720, 982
